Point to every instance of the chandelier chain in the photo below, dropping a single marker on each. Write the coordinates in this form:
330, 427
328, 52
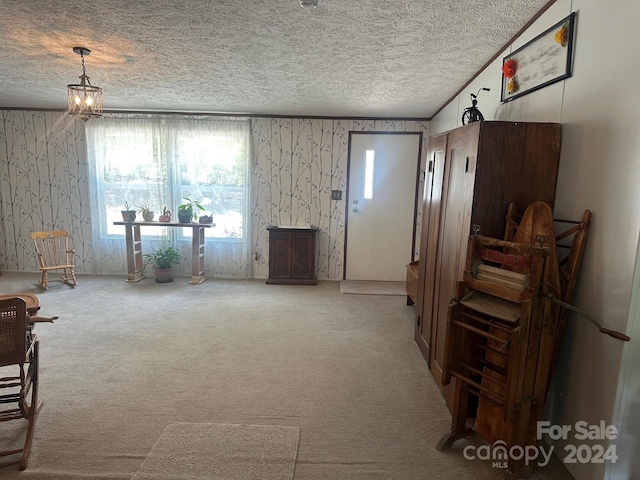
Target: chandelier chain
84, 71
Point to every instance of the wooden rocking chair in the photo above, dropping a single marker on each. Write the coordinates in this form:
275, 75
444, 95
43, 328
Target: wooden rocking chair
18, 348
52, 250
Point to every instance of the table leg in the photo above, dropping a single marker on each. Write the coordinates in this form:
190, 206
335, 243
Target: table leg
135, 264
197, 255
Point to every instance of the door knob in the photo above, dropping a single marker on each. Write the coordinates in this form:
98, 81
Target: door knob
355, 202
355, 209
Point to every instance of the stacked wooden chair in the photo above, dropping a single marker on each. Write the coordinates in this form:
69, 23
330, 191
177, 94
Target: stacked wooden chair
505, 330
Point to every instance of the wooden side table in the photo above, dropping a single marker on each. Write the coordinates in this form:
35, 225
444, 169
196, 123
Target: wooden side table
135, 264
292, 256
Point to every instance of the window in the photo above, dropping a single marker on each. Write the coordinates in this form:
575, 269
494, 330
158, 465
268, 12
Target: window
161, 160
370, 156
210, 166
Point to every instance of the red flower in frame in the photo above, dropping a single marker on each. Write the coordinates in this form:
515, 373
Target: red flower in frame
509, 68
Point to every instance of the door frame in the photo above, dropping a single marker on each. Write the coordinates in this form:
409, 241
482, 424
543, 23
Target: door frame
415, 200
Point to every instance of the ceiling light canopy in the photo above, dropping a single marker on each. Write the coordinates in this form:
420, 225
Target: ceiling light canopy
309, 3
85, 100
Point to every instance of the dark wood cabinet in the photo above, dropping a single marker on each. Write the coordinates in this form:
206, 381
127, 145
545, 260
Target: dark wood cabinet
292, 256
473, 173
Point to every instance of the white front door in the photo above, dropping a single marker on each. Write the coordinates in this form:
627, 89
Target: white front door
383, 171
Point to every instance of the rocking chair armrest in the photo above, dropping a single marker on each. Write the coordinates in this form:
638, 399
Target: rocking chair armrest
39, 319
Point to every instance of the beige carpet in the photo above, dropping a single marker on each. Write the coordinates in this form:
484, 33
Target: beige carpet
217, 451
365, 287
125, 360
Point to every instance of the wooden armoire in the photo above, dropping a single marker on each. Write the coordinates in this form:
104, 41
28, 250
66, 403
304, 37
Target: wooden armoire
473, 173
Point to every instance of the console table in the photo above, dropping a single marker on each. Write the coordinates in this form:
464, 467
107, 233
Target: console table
135, 263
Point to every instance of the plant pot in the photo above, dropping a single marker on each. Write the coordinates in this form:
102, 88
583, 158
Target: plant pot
128, 215
148, 217
165, 218
184, 216
164, 275
205, 219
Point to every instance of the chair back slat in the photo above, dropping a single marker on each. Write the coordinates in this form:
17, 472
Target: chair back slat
13, 331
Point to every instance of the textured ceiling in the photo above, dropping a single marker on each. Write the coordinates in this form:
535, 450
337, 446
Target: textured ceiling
363, 58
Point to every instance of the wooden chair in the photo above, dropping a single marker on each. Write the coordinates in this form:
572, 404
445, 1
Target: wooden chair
52, 250
18, 348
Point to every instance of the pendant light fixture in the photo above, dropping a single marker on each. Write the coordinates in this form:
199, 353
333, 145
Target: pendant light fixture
85, 100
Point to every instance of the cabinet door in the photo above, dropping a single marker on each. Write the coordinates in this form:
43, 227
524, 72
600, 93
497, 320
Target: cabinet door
454, 230
303, 264
434, 177
280, 255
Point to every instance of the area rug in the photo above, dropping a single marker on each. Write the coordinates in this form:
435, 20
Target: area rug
218, 451
365, 287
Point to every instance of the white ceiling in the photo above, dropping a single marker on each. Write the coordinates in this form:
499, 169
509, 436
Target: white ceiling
361, 58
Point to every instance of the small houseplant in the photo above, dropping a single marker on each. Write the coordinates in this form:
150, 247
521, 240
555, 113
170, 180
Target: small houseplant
204, 218
188, 210
163, 260
146, 212
128, 215
165, 216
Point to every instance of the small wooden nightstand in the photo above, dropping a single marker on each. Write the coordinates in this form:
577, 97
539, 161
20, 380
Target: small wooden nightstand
292, 255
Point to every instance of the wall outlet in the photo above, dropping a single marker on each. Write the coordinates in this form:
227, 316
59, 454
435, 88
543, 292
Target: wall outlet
336, 194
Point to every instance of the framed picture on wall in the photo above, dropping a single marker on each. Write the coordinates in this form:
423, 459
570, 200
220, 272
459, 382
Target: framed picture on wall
544, 60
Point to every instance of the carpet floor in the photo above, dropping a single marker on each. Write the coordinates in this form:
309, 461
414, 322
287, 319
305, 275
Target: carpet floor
365, 287
125, 361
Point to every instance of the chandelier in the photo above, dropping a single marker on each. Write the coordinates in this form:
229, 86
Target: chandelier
85, 100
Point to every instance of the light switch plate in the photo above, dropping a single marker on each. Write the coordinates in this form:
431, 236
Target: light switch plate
336, 194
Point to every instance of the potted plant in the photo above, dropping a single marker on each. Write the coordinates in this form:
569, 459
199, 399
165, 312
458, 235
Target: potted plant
166, 215
163, 260
188, 210
204, 218
146, 212
128, 215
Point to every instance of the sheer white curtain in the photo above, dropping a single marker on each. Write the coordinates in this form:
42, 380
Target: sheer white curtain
125, 165
160, 160
211, 156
